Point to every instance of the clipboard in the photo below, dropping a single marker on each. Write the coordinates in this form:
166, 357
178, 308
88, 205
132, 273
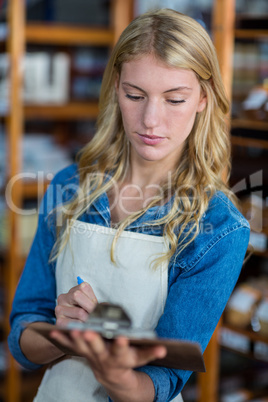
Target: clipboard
181, 354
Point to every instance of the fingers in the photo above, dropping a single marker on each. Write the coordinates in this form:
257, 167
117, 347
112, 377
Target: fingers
148, 355
80, 295
91, 345
137, 356
120, 346
110, 360
64, 314
121, 353
85, 293
76, 304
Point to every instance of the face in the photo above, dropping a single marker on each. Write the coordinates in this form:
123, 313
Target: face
158, 105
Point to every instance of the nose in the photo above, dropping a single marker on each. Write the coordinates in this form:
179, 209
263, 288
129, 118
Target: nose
151, 114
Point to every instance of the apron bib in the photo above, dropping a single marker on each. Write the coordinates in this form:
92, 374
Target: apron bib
131, 282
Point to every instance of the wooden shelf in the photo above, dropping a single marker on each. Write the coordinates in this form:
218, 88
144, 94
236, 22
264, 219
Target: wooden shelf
250, 124
261, 253
70, 111
49, 34
251, 34
248, 355
249, 142
253, 336
20, 35
31, 189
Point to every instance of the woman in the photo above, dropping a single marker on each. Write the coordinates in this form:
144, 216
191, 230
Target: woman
144, 218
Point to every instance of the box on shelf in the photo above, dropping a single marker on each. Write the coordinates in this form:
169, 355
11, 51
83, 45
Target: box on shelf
258, 241
254, 106
256, 212
233, 340
242, 304
46, 78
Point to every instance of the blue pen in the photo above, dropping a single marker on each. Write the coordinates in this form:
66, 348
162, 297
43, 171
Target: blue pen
79, 280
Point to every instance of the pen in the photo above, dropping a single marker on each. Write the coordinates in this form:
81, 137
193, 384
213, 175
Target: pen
79, 280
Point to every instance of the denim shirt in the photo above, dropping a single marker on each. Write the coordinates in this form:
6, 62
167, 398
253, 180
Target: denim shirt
200, 278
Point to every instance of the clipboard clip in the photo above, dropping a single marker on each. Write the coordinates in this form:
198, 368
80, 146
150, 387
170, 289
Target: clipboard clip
111, 320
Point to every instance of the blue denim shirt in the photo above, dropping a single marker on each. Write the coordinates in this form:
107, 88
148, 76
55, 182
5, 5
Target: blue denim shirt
200, 278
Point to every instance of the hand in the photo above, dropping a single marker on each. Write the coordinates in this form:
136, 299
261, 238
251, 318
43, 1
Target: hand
113, 362
76, 305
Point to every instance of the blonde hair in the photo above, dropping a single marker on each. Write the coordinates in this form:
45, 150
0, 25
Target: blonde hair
181, 42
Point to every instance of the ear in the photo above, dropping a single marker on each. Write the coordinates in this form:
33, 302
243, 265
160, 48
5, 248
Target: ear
202, 102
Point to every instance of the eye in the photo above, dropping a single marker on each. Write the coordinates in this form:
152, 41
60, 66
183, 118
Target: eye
175, 102
134, 98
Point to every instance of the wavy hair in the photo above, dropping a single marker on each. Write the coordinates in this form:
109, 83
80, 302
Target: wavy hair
181, 42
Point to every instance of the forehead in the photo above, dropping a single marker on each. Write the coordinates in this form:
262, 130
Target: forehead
148, 70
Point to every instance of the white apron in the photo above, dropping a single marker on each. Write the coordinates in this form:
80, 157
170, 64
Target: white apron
131, 282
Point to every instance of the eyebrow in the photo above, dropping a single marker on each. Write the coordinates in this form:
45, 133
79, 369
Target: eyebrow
180, 88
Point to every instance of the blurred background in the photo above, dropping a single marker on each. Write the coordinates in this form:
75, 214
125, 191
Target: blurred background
52, 57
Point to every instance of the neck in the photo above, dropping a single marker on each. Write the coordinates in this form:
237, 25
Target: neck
147, 173
141, 185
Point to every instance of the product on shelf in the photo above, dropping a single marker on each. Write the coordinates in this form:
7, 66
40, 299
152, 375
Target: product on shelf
41, 154
248, 305
234, 340
255, 211
3, 357
4, 84
240, 395
255, 105
261, 351
262, 316
252, 208
46, 78
242, 305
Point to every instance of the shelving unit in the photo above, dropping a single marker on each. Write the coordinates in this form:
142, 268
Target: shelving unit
223, 18
252, 134
224, 33
21, 34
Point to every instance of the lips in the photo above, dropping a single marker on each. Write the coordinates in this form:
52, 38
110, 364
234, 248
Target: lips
151, 139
